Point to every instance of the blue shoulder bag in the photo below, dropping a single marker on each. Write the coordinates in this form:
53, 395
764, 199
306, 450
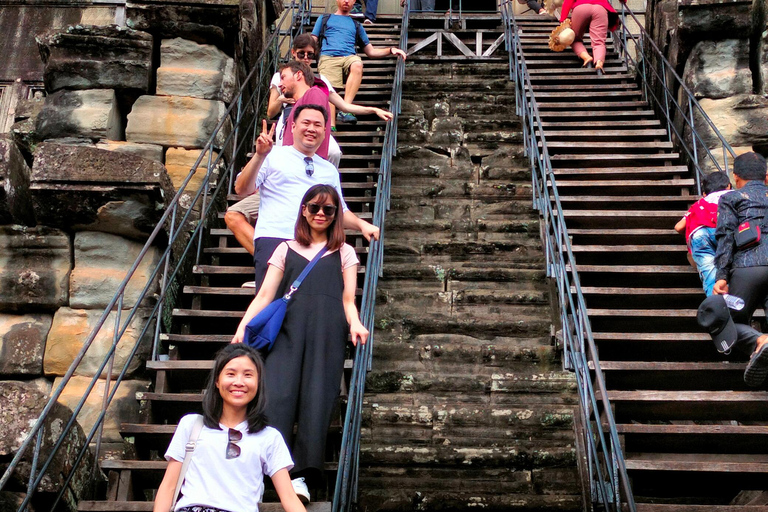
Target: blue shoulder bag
262, 330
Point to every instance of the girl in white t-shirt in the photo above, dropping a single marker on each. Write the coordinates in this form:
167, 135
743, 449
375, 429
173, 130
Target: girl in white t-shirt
235, 447
303, 371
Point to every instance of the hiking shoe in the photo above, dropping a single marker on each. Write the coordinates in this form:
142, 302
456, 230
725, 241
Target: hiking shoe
367, 22
357, 10
301, 489
346, 117
248, 284
757, 368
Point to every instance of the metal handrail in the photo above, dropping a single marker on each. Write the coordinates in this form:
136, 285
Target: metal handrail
177, 222
345, 492
654, 72
605, 463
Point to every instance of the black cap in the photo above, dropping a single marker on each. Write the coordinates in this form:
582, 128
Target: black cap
715, 318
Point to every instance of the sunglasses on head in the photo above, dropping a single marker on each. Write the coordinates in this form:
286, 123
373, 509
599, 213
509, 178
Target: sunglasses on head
328, 209
233, 451
308, 55
309, 166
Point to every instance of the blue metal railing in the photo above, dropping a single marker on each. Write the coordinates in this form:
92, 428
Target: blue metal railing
345, 494
605, 465
673, 101
237, 130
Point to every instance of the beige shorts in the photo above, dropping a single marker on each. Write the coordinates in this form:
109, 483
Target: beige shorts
248, 207
336, 69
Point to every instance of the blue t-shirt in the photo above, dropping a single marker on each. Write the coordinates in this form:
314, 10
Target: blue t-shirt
339, 37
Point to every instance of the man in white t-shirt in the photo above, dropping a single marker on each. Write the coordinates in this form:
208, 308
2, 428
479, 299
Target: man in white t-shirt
282, 176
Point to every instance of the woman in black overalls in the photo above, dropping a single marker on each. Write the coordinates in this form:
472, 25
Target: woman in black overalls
304, 369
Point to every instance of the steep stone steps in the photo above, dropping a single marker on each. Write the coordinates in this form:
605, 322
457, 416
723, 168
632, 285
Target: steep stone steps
209, 307
691, 430
466, 402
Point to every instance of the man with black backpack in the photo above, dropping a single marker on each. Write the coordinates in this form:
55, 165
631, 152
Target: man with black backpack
338, 35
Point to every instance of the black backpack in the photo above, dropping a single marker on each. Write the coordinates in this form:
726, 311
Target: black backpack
358, 29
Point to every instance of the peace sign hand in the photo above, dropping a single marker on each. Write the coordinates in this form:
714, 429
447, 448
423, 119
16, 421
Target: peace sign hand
264, 141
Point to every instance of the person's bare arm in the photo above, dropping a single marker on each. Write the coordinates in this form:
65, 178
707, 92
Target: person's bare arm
373, 52
358, 110
276, 102
680, 226
164, 496
284, 488
244, 184
357, 330
352, 221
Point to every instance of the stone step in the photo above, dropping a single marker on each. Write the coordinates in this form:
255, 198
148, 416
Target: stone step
472, 457
489, 327
469, 272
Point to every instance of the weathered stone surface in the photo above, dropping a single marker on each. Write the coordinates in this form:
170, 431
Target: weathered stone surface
718, 69
176, 121
15, 204
91, 114
24, 129
116, 193
101, 263
196, 70
34, 268
210, 21
763, 58
742, 119
93, 57
714, 19
22, 342
178, 163
70, 329
148, 151
22, 405
123, 409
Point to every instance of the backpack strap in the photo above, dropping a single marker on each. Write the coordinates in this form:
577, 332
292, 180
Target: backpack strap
324, 23
188, 450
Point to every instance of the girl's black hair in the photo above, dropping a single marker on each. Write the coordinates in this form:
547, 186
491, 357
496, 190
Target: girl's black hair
212, 401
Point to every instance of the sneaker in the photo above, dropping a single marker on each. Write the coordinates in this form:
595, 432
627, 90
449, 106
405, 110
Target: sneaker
248, 284
367, 22
333, 129
356, 11
301, 489
757, 368
346, 117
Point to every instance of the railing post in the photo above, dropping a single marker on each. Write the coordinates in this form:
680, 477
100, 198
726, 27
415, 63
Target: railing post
666, 100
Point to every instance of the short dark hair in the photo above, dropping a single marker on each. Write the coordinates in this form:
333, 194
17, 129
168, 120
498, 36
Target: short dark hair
715, 181
304, 40
336, 236
213, 404
310, 106
750, 166
296, 66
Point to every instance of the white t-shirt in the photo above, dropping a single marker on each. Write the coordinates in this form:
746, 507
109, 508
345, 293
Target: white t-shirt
282, 182
229, 484
347, 252
275, 83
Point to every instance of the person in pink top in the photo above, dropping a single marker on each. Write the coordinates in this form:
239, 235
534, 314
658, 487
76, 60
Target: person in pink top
595, 16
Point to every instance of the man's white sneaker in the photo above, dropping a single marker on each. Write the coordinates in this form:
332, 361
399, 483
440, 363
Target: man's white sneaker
248, 284
301, 489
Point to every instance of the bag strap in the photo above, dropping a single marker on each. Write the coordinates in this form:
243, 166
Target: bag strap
323, 24
297, 282
188, 450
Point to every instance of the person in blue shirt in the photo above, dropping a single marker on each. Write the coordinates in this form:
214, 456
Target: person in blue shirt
338, 35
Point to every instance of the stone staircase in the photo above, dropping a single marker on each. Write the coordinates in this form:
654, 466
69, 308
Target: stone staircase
693, 433
212, 304
467, 404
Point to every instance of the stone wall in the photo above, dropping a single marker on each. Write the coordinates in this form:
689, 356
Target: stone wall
86, 173
720, 50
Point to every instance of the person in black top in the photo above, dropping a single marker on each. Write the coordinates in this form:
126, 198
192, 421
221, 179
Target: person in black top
743, 272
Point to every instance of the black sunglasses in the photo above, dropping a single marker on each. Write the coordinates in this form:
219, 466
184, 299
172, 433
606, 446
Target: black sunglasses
309, 55
233, 451
328, 209
309, 166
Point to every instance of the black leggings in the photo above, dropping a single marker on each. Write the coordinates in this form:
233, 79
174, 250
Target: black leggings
751, 284
534, 6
